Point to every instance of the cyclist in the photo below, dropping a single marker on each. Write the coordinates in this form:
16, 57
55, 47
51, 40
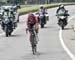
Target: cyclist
32, 26
32, 22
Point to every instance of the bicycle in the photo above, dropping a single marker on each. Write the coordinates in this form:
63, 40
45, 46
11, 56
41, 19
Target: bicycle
33, 40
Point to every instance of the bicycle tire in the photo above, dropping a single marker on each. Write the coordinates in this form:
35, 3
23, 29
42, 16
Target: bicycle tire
33, 44
34, 50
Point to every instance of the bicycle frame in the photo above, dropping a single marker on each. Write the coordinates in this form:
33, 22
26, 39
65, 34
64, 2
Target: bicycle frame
33, 39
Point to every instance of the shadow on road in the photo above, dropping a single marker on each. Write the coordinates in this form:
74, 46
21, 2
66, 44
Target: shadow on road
73, 39
67, 28
12, 36
47, 27
15, 36
30, 56
50, 27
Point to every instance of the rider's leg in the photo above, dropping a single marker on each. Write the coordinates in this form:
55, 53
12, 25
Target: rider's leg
44, 19
30, 37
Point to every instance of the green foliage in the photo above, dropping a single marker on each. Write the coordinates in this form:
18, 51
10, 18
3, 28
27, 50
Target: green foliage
36, 7
3, 0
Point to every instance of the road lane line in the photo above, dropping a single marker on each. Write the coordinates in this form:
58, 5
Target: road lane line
63, 44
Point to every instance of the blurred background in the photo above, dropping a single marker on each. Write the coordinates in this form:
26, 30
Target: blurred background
33, 1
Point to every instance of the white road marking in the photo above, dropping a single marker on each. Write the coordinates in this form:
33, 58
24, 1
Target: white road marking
63, 44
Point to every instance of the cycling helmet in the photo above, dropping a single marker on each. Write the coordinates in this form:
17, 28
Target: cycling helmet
31, 14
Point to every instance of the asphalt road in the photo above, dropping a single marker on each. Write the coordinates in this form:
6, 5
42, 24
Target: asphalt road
17, 46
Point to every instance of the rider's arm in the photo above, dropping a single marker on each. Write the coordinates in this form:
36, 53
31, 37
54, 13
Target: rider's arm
27, 22
37, 24
27, 25
57, 11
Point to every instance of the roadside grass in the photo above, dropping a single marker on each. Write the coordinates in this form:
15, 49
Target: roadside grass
36, 7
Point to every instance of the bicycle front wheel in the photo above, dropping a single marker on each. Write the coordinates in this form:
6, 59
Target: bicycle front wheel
33, 43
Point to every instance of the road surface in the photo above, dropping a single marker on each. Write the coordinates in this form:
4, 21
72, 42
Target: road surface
17, 46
